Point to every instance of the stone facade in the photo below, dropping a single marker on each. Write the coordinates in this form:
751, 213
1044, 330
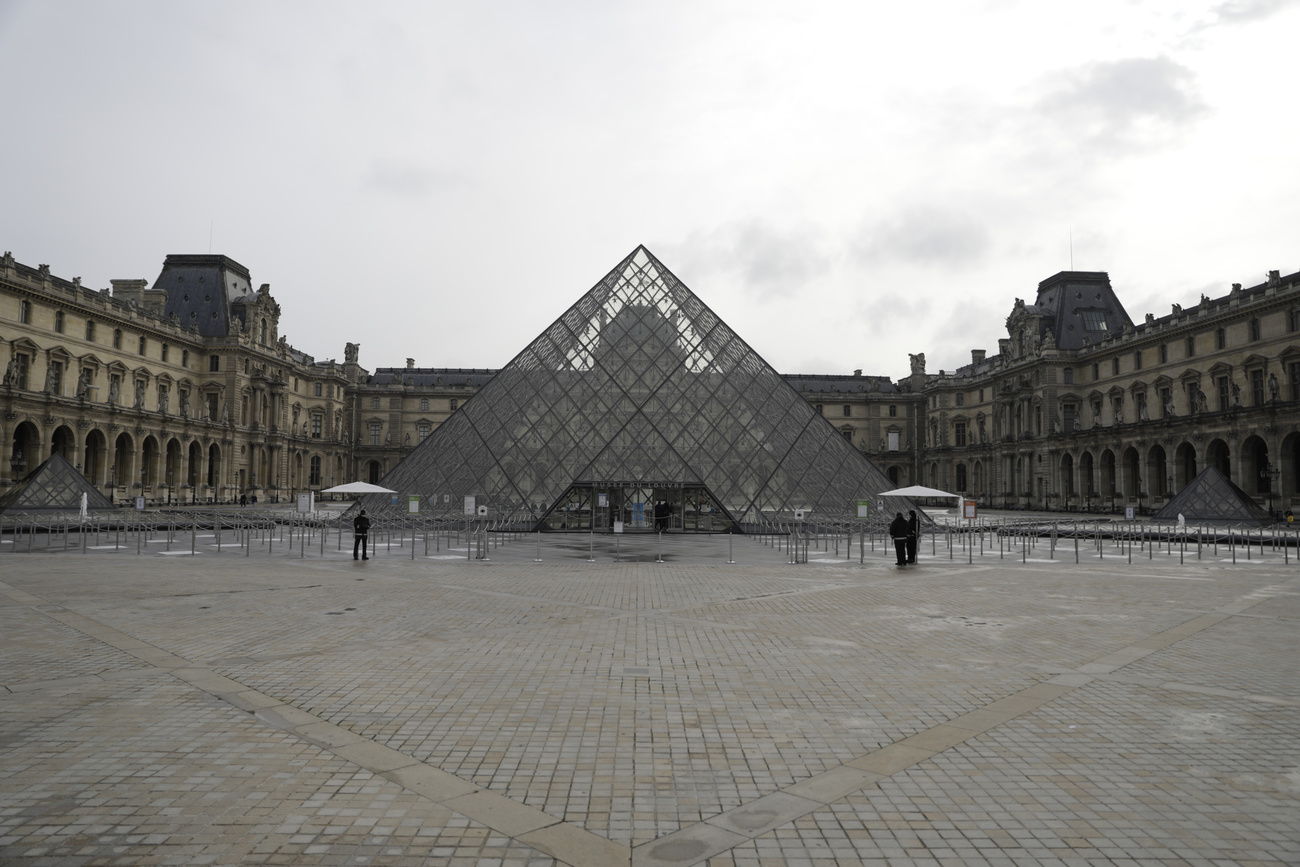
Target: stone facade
187, 392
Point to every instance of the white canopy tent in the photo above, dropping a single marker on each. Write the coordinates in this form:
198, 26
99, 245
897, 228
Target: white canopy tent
358, 488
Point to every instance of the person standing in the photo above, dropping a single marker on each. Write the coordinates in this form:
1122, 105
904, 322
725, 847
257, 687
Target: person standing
360, 535
913, 532
898, 532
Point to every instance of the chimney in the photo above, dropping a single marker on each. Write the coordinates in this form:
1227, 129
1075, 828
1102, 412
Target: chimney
857, 372
410, 364
976, 356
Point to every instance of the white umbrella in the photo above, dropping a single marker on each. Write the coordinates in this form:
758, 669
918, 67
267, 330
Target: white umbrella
918, 491
358, 488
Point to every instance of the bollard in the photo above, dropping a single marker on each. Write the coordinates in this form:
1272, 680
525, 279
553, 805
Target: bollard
731, 536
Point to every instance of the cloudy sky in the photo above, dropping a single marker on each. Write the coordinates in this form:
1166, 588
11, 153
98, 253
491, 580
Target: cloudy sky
843, 182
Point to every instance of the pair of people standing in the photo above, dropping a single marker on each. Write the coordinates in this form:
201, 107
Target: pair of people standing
904, 532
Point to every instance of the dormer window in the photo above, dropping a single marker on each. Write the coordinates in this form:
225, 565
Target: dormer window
1094, 320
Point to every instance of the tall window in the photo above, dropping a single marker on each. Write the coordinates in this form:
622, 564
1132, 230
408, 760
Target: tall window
1254, 329
185, 358
422, 430
1067, 376
1221, 339
1257, 387
316, 423
117, 338
1295, 380
959, 433
214, 363
56, 377
1225, 392
424, 404
848, 410
374, 403
165, 349
1293, 321
1191, 346
21, 365
316, 389
314, 478
90, 329
144, 343
1137, 360
58, 321
375, 428
452, 404
1114, 366
1070, 414
24, 312
961, 398
893, 411
1163, 353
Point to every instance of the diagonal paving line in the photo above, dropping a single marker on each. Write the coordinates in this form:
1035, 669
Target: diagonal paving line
694, 844
567, 843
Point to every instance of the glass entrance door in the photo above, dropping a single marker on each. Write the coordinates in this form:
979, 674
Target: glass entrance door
640, 508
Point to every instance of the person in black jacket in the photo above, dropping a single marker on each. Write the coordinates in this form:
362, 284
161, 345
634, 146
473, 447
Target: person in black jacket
913, 532
898, 532
360, 535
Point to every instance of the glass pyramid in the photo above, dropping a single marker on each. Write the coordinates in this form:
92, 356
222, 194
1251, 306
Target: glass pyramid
55, 485
1211, 498
636, 390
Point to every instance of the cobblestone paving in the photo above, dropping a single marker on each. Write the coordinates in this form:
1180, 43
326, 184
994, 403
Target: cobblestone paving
277, 709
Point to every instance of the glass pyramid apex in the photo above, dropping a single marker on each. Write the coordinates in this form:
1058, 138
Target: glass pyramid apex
637, 382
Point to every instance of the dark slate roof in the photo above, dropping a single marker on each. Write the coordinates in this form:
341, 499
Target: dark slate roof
1079, 304
822, 382
432, 377
200, 289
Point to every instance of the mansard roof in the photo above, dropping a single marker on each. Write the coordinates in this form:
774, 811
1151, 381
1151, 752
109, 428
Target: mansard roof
200, 289
1075, 305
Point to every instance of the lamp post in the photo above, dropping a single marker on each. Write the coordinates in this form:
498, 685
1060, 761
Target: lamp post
112, 483
1269, 474
17, 463
170, 476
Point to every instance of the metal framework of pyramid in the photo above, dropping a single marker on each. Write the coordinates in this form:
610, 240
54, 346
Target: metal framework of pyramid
55, 485
638, 383
1212, 498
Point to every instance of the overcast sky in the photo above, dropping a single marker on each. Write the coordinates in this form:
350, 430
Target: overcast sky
843, 182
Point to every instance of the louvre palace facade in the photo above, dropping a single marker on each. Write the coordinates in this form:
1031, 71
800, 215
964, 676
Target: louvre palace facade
185, 390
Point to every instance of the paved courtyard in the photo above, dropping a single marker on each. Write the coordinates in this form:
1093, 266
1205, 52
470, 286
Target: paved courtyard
294, 707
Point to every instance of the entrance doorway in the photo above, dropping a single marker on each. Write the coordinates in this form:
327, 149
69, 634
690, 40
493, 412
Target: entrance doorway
638, 507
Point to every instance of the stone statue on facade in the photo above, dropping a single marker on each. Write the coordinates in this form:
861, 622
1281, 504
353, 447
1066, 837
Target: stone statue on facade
1273, 389
50, 384
1169, 406
1142, 412
1236, 394
139, 395
11, 372
350, 352
1199, 397
112, 392
918, 362
163, 400
185, 404
984, 434
83, 384
225, 413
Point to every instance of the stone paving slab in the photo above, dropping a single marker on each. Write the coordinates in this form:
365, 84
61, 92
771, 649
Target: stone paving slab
251, 708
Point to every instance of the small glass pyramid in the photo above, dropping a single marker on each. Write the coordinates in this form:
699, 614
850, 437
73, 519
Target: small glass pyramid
55, 485
641, 402
1211, 498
